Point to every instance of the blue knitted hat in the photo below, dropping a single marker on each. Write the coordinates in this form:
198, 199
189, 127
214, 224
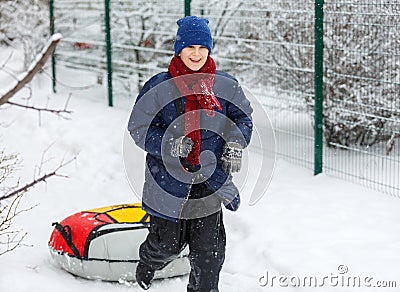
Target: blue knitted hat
192, 30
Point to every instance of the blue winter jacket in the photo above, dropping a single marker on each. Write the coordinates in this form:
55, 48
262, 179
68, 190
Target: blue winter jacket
155, 123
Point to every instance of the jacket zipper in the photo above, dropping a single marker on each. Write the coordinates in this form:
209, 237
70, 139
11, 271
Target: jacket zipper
218, 221
187, 196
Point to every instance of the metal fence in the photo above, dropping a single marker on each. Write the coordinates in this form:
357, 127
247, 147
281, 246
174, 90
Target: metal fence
362, 92
124, 41
327, 71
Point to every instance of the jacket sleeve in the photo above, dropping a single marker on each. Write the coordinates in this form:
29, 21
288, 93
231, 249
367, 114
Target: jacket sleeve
239, 111
145, 123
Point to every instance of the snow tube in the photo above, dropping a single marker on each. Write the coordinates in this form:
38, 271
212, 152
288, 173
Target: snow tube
104, 244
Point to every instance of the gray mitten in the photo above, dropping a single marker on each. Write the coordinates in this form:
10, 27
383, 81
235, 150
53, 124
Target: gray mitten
232, 157
181, 147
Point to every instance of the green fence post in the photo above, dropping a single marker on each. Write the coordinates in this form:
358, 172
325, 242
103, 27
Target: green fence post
53, 58
108, 51
187, 7
318, 85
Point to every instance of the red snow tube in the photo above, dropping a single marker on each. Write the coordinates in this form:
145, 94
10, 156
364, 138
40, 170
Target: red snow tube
104, 244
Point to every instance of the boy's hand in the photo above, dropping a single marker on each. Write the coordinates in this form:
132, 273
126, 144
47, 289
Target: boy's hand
181, 147
232, 157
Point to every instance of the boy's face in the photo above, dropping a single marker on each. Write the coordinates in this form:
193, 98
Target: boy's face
194, 57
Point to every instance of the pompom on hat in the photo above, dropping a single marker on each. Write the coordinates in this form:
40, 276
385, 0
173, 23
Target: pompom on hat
192, 30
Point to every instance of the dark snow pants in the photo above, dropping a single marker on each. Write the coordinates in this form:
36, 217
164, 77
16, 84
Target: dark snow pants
205, 237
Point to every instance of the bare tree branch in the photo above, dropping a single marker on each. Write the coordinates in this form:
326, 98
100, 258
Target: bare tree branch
43, 178
35, 67
11, 239
6, 61
44, 109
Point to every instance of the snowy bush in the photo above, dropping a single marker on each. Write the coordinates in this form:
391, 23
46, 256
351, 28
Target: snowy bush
24, 23
361, 69
9, 237
142, 39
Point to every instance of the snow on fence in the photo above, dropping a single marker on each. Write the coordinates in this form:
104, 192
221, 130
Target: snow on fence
327, 71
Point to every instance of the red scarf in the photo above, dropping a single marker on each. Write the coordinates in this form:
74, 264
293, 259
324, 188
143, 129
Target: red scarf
198, 93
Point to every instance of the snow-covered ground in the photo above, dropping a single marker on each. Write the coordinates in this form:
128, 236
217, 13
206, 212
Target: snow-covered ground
304, 228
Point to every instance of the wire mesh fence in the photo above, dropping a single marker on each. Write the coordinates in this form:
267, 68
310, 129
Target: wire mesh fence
81, 23
362, 92
142, 34
142, 40
270, 47
83, 46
